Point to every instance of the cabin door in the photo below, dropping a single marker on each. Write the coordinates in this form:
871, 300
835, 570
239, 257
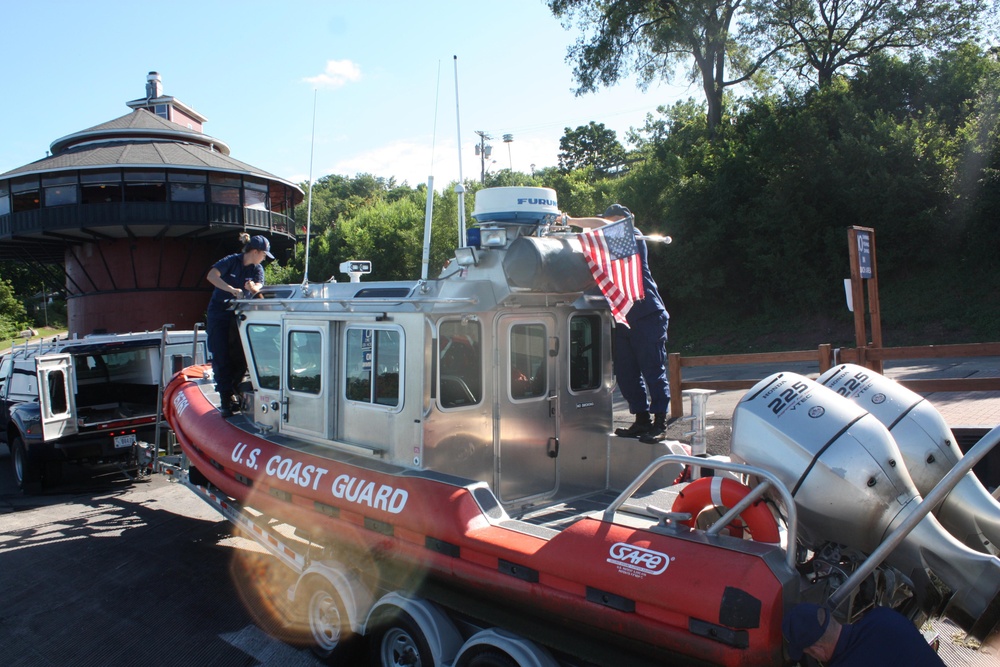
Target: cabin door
526, 415
307, 378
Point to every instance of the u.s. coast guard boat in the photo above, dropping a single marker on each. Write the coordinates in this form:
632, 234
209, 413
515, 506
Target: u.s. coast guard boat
442, 449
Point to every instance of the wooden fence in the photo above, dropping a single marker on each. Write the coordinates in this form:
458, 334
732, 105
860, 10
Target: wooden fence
825, 356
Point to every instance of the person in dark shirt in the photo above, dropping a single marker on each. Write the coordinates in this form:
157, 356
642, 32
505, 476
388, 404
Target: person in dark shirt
882, 637
236, 276
640, 348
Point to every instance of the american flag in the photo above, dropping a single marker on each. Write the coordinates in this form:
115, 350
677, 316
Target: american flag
613, 258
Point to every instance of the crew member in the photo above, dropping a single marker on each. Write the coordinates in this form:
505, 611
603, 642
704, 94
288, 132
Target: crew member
640, 348
882, 637
235, 276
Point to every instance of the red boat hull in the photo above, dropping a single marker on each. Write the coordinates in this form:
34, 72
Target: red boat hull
715, 602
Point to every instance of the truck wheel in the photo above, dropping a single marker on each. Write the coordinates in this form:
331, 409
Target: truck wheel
328, 624
397, 641
27, 472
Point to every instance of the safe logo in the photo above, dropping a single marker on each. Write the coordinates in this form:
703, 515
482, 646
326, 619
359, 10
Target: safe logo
640, 560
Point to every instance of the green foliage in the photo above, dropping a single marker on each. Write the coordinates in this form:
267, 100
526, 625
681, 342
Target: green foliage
591, 145
13, 317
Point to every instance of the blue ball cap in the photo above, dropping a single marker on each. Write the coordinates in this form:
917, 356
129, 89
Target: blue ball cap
616, 210
803, 626
259, 243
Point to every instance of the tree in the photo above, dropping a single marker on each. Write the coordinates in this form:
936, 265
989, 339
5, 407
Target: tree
591, 145
828, 36
649, 38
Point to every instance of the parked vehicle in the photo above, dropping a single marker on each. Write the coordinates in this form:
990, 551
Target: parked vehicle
86, 400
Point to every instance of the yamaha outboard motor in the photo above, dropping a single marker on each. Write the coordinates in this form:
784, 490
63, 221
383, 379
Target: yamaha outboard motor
850, 487
929, 451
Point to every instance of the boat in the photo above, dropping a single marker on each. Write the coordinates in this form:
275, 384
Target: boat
444, 447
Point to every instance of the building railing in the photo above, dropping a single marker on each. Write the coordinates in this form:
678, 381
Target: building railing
37, 222
825, 356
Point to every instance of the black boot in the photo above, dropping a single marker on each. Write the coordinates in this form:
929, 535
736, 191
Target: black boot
658, 430
640, 426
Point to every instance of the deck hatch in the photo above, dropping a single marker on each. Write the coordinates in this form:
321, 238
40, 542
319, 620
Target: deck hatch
518, 571
611, 600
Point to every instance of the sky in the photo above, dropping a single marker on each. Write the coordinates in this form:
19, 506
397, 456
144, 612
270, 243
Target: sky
386, 87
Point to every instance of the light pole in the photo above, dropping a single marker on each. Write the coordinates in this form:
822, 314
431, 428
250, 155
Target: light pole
483, 150
509, 139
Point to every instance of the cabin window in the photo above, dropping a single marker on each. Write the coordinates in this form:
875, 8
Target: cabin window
527, 361
265, 349
5, 364
373, 353
460, 360
305, 361
585, 352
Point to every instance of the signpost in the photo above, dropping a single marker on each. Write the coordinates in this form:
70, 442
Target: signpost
861, 247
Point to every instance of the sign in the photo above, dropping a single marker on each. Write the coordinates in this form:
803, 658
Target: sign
864, 254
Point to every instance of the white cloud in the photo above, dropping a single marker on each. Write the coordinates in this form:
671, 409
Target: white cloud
336, 74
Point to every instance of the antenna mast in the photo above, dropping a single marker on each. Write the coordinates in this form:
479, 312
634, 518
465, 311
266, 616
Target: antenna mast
460, 188
309, 206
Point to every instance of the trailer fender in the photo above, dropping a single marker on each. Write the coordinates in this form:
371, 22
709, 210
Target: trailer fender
442, 637
524, 652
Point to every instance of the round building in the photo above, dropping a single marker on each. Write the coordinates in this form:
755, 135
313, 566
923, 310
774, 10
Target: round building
133, 212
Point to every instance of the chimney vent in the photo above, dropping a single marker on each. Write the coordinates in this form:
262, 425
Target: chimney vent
154, 87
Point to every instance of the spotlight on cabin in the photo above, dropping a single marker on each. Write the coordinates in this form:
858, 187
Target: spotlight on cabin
466, 256
493, 237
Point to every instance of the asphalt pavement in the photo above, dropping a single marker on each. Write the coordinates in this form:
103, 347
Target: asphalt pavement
109, 572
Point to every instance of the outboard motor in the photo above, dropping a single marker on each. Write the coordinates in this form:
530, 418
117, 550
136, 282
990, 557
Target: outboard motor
929, 451
850, 487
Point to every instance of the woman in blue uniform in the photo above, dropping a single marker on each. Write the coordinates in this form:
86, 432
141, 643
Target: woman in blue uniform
236, 276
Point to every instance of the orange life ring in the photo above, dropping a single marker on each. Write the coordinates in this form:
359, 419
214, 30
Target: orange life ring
708, 492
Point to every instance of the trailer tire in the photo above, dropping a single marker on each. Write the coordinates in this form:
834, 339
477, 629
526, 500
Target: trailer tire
329, 626
489, 658
27, 471
396, 640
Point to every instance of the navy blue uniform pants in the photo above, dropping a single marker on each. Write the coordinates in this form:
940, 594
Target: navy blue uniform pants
228, 363
640, 364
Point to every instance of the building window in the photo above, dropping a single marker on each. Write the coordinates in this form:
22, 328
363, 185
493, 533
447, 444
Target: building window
255, 194
25, 195
100, 187
145, 186
61, 195
4, 200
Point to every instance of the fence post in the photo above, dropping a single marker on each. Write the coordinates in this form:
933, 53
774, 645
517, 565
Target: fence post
674, 380
825, 357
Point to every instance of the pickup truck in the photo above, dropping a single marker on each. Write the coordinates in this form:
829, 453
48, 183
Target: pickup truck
86, 400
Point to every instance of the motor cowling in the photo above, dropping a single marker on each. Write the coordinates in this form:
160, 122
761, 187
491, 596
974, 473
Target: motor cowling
850, 486
928, 448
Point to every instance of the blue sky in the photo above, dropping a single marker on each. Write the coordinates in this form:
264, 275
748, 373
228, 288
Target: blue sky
381, 74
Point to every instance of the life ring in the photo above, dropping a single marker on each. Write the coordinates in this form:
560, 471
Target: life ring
708, 492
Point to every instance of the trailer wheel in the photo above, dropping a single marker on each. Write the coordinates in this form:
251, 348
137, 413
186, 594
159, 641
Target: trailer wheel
27, 472
328, 623
489, 658
397, 641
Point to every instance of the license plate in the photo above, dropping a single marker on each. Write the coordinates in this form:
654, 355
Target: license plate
124, 441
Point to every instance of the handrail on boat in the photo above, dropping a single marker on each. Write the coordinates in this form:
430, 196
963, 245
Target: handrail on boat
769, 481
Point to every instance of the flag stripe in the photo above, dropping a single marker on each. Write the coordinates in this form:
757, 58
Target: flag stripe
613, 259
